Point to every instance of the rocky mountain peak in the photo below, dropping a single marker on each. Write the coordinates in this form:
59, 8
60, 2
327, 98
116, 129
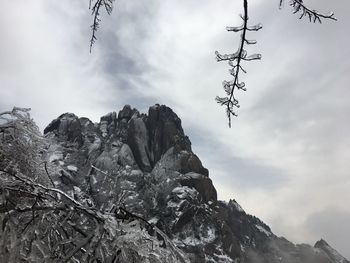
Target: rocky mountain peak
127, 113
332, 254
67, 126
148, 136
145, 164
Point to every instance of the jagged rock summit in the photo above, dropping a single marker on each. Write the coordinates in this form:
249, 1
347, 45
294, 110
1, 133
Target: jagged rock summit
144, 166
145, 162
332, 254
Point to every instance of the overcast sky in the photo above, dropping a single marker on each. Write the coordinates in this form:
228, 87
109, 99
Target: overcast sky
286, 158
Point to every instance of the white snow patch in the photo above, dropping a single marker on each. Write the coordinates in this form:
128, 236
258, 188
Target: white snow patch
191, 241
153, 220
172, 204
93, 179
194, 175
242, 248
263, 230
237, 206
129, 198
127, 185
55, 157
136, 173
183, 191
210, 235
76, 189
223, 257
95, 145
103, 128
72, 168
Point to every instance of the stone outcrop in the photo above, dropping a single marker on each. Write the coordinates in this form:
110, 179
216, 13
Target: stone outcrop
145, 162
332, 254
66, 127
165, 131
202, 184
138, 139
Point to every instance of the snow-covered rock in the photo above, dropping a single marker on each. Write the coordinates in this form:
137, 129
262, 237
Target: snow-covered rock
145, 163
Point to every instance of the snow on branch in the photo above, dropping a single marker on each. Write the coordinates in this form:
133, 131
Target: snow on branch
235, 61
40, 223
313, 15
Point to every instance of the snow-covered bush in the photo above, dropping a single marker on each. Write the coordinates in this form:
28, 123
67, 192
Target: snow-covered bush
41, 223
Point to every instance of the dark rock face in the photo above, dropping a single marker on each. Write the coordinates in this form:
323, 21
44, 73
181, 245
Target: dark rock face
138, 139
202, 184
150, 137
66, 127
145, 163
126, 113
165, 131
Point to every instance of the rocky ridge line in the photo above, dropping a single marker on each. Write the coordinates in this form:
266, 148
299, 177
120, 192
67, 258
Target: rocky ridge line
146, 163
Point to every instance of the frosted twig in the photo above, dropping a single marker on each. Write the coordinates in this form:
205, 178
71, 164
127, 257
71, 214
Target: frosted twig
304, 11
234, 60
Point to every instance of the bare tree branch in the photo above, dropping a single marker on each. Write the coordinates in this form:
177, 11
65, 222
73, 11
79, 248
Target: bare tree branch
234, 60
48, 174
95, 7
313, 15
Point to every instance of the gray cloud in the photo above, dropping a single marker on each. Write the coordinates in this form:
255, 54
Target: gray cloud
289, 145
241, 173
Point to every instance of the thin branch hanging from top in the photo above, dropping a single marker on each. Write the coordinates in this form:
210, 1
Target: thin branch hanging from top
95, 7
234, 60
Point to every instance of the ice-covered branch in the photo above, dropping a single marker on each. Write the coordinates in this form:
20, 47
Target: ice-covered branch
313, 15
235, 61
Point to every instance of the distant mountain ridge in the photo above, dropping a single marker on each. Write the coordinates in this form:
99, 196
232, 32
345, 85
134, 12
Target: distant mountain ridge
144, 164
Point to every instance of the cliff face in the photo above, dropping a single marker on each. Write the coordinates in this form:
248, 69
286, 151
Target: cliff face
145, 163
